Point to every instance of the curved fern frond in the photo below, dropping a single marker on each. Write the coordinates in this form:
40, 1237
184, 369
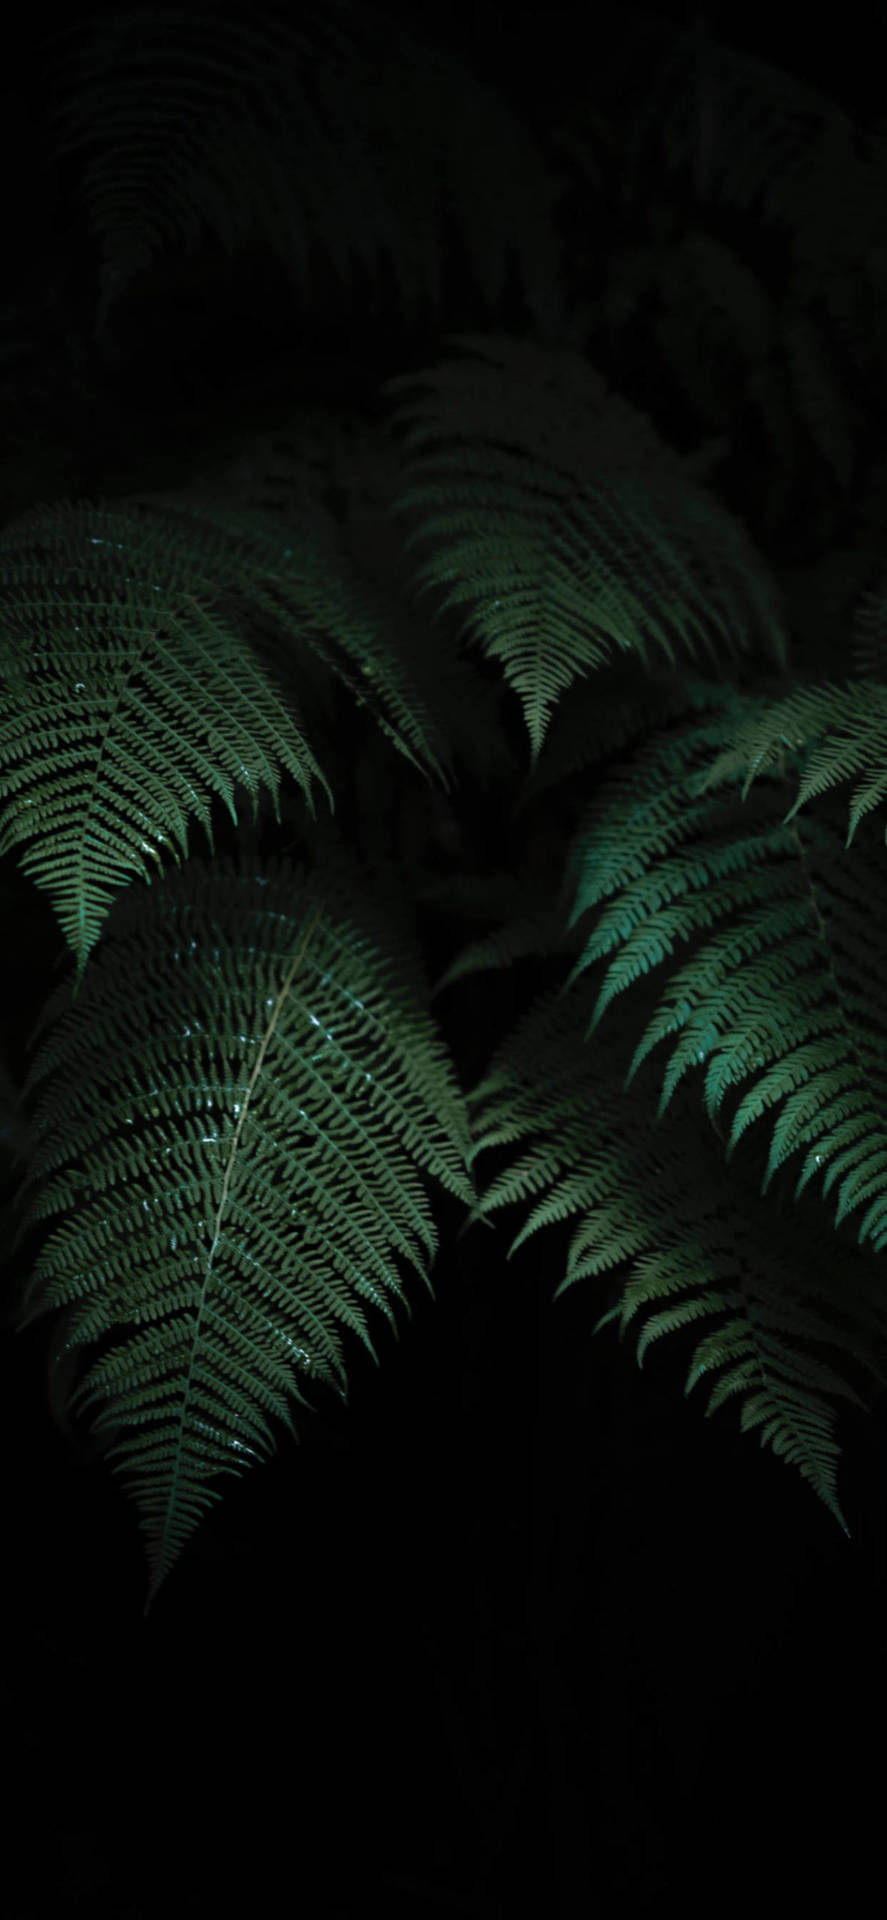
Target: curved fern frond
437, 698
331, 133
308, 603
568, 525
686, 1241
608, 716
843, 731
717, 311
529, 935
228, 1131
782, 997
183, 121
767, 142
530, 909
714, 306
753, 133
131, 644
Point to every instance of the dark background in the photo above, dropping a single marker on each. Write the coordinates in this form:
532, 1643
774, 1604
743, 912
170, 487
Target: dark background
515, 1630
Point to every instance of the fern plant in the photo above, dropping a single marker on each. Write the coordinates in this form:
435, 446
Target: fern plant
237, 1095
691, 1243
283, 1091
292, 134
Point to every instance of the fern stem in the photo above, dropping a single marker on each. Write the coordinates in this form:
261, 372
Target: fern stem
299, 955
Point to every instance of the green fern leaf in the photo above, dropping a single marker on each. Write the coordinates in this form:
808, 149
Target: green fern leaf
131, 644
334, 137
781, 999
689, 1237
606, 717
841, 730
756, 133
228, 1131
571, 529
307, 603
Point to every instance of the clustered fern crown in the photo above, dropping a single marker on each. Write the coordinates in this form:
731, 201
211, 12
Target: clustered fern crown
238, 1096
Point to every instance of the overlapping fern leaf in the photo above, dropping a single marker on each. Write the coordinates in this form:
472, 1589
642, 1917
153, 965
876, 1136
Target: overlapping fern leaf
753, 134
153, 654
781, 1000
529, 902
843, 731
741, 133
683, 1240
568, 526
228, 1132
292, 473
330, 137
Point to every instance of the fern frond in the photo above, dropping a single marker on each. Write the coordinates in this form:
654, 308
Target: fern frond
782, 998
183, 120
529, 935
569, 527
290, 474
606, 717
714, 308
131, 642
717, 310
335, 133
687, 1239
303, 596
765, 141
529, 912
842, 730
769, 136
227, 1134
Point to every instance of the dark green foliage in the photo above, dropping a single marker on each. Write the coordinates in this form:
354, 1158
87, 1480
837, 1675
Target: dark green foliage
690, 1237
237, 1091
279, 1080
122, 721
290, 130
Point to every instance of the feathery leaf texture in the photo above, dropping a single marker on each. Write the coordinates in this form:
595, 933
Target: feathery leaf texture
228, 1131
135, 646
762, 140
575, 532
842, 730
233, 1112
716, 311
782, 998
310, 457
531, 922
335, 133
609, 716
527, 935
689, 1236
758, 137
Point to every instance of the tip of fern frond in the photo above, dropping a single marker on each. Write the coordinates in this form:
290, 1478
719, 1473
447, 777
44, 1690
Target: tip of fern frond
605, 1319
153, 1590
476, 1218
